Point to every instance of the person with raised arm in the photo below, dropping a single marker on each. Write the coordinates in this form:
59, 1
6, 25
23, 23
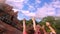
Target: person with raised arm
52, 30
36, 27
24, 27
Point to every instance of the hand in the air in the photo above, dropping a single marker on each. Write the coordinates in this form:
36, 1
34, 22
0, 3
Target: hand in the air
47, 24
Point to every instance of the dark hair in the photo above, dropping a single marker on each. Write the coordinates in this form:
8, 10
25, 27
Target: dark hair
30, 31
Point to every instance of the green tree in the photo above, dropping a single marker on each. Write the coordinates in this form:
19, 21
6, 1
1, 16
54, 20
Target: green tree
58, 26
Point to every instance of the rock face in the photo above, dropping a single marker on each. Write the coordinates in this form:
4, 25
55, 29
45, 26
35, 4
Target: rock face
9, 23
2, 1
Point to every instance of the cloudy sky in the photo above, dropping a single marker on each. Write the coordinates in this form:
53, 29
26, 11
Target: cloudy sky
35, 8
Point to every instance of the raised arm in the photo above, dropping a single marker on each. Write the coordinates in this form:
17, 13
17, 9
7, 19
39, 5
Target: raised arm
34, 24
52, 30
24, 27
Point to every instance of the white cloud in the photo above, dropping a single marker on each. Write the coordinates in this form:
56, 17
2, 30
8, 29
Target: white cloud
38, 1
56, 4
45, 11
41, 12
48, 10
27, 13
15, 10
20, 18
16, 0
17, 4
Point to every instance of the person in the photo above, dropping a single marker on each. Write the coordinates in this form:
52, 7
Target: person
49, 26
36, 27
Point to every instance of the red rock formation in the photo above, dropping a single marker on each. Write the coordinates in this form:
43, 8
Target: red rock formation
8, 20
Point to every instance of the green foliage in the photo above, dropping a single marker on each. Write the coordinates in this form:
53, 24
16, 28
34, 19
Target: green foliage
29, 22
58, 26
